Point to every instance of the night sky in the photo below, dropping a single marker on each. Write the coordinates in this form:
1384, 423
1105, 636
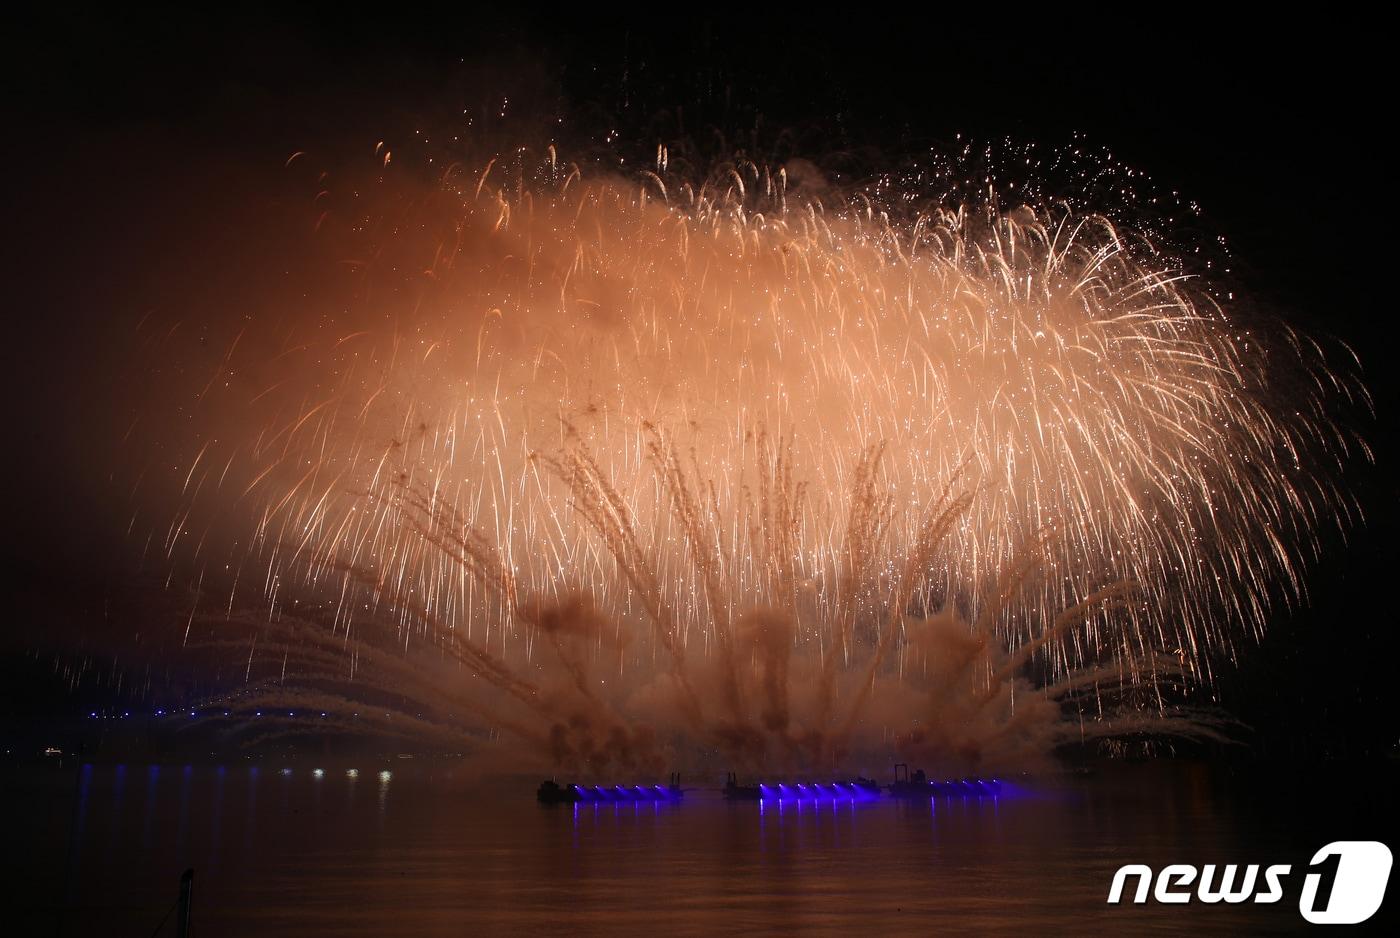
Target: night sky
131, 127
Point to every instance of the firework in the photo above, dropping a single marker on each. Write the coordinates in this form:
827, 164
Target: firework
784, 471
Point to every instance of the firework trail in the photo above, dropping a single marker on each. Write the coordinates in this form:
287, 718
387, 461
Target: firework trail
747, 462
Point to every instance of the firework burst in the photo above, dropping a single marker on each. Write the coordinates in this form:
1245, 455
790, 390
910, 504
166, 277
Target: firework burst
785, 471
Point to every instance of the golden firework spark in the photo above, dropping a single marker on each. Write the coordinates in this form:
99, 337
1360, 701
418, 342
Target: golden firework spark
746, 431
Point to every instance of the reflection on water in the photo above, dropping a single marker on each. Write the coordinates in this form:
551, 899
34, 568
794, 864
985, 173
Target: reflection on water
366, 850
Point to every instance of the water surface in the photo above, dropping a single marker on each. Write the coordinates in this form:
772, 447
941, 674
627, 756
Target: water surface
418, 848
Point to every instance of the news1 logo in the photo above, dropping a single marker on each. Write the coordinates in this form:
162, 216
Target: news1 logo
1344, 885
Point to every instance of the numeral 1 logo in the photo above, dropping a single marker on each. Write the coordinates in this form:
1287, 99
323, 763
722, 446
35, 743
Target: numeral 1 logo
1346, 882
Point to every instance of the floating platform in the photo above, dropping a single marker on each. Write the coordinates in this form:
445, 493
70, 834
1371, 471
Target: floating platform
551, 792
919, 785
907, 786
858, 789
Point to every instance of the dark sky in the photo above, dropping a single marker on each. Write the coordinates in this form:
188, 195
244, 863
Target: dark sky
127, 124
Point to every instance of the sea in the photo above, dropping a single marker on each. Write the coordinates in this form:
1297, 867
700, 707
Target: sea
424, 847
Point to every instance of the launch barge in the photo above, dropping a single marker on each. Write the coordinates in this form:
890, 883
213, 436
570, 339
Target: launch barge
905, 785
860, 788
551, 792
919, 785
